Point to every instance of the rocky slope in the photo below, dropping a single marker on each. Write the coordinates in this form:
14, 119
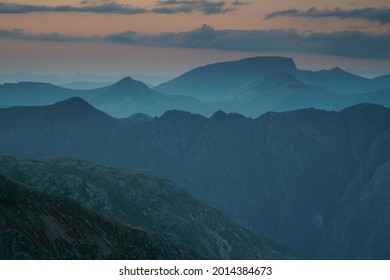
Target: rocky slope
146, 202
34, 225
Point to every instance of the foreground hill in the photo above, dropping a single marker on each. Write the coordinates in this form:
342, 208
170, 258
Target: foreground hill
34, 225
145, 202
296, 177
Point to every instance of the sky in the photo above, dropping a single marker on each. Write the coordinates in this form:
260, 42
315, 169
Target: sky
169, 37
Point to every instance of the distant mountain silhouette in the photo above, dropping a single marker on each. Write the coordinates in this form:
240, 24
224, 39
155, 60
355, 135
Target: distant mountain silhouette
122, 99
287, 175
33, 93
86, 85
213, 82
339, 81
129, 96
282, 91
383, 81
274, 84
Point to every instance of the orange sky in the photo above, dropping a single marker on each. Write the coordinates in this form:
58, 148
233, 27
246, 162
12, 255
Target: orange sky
20, 55
246, 17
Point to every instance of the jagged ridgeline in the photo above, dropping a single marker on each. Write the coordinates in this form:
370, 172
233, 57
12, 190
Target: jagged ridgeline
51, 221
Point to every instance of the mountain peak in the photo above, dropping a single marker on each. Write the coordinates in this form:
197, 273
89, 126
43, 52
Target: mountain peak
126, 79
275, 62
76, 107
336, 70
73, 101
127, 85
128, 82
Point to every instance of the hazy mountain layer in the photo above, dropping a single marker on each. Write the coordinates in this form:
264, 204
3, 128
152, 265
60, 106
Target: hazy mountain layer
250, 87
34, 225
145, 202
121, 99
215, 81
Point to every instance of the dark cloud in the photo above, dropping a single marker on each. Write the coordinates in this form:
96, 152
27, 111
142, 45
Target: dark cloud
240, 3
103, 7
380, 15
20, 34
189, 6
108, 6
342, 43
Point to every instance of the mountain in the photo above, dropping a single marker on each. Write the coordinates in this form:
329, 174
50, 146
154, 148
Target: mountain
136, 118
86, 85
32, 93
251, 87
281, 92
383, 81
215, 81
34, 225
122, 99
283, 175
54, 79
365, 227
128, 97
340, 81
57, 129
145, 202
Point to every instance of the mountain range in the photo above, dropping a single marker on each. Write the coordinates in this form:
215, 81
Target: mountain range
311, 179
250, 87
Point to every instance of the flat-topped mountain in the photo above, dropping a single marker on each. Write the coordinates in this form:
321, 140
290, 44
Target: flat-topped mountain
215, 81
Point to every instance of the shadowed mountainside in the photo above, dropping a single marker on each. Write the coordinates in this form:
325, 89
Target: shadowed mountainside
284, 175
